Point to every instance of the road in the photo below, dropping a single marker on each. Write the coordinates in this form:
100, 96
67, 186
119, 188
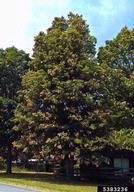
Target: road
10, 188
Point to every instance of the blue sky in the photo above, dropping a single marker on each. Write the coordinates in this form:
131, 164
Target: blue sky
21, 20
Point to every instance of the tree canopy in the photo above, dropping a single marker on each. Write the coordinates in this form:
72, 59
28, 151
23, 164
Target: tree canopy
66, 98
68, 101
119, 52
13, 64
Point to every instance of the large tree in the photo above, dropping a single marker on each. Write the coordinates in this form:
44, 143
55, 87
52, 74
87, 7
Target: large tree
68, 101
119, 52
13, 64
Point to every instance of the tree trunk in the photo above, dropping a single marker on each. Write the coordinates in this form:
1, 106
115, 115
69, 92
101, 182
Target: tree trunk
69, 168
9, 159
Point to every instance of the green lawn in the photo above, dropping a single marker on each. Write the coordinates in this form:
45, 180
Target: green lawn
44, 182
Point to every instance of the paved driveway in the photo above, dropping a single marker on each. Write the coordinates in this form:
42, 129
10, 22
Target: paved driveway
10, 188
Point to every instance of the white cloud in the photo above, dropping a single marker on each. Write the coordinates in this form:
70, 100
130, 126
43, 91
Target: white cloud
45, 10
52, 3
15, 16
107, 17
21, 20
105, 12
110, 8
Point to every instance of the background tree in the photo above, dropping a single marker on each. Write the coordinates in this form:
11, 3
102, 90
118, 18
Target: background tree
13, 64
69, 102
119, 52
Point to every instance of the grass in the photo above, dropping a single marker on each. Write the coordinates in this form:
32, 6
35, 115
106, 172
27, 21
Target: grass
44, 182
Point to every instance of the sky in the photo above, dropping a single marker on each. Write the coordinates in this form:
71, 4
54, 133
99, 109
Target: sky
22, 20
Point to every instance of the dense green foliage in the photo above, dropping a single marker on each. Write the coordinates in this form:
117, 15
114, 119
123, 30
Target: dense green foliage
13, 64
119, 52
68, 101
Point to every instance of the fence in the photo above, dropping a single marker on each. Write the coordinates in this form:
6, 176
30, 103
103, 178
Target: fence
106, 173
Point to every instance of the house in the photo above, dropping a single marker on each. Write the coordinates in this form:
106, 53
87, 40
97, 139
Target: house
106, 163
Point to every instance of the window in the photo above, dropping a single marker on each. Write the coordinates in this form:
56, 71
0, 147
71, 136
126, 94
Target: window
121, 163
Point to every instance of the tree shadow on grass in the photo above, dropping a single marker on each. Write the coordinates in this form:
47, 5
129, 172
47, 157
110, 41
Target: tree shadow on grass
46, 177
